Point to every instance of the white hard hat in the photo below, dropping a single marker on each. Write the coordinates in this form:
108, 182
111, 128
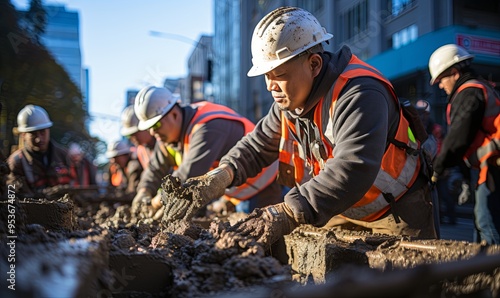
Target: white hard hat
281, 35
444, 58
151, 104
32, 118
117, 148
74, 149
129, 121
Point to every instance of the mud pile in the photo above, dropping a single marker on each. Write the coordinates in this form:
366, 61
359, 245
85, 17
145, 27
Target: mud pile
102, 250
121, 255
412, 268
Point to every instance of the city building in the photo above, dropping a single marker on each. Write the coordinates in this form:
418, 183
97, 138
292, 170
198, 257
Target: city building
396, 36
199, 79
62, 39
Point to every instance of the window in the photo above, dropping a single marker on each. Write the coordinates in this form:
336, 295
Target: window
404, 37
355, 20
398, 6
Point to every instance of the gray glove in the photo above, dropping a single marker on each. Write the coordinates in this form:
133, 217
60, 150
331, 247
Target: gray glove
141, 205
183, 200
267, 225
221, 206
465, 195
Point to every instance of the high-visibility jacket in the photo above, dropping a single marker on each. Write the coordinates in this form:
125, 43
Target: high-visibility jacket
116, 174
35, 173
486, 143
398, 169
84, 178
208, 111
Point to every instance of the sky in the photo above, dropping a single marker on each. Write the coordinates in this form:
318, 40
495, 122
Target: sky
121, 53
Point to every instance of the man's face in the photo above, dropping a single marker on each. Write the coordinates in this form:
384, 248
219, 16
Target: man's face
447, 82
141, 137
121, 160
37, 140
291, 82
168, 129
76, 157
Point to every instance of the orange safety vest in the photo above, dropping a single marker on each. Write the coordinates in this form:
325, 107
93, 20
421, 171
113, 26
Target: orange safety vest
486, 143
398, 169
143, 155
39, 180
116, 175
208, 111
85, 176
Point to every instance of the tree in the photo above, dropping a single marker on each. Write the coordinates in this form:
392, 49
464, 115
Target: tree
30, 75
36, 18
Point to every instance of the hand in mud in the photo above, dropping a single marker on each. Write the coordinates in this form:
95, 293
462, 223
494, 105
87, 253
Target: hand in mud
141, 205
221, 206
267, 225
183, 200
178, 200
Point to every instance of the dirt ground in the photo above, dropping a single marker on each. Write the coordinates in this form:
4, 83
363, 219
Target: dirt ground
201, 257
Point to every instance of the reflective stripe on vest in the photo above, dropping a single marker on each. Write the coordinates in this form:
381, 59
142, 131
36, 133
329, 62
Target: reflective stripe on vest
394, 177
143, 155
487, 140
176, 156
208, 111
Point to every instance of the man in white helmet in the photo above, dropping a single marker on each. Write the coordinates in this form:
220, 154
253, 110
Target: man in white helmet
83, 171
473, 116
338, 131
41, 163
143, 141
191, 140
124, 169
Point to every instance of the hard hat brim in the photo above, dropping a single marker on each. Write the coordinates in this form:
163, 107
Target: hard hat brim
267, 67
145, 125
39, 127
260, 68
127, 131
115, 153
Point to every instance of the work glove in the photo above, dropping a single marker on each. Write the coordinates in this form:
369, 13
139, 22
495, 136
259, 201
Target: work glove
267, 225
465, 195
183, 200
156, 202
221, 206
141, 205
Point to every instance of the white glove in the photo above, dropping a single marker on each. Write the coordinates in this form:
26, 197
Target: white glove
465, 195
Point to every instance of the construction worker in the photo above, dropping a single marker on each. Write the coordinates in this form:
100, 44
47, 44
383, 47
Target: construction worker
143, 141
124, 169
337, 129
41, 163
83, 172
190, 141
473, 134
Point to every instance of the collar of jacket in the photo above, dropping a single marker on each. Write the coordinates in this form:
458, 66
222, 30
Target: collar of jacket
187, 114
333, 64
461, 80
31, 155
